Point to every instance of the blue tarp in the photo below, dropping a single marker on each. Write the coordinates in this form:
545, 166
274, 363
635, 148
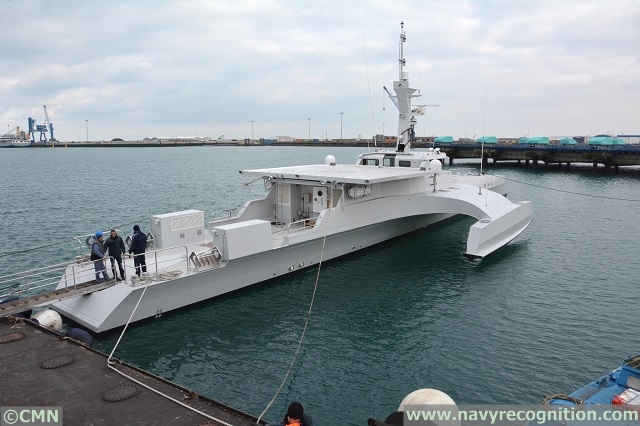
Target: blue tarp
568, 141
487, 139
444, 139
601, 140
535, 140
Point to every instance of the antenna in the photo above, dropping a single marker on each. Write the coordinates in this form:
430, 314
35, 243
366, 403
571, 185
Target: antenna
401, 61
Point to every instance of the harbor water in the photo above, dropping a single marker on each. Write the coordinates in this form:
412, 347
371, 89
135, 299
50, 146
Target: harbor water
550, 312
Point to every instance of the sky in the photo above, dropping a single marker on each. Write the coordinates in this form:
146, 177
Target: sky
301, 68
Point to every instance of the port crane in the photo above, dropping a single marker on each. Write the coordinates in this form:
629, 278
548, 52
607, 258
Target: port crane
42, 128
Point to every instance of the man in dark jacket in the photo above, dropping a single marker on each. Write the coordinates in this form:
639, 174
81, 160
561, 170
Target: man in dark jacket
115, 247
138, 247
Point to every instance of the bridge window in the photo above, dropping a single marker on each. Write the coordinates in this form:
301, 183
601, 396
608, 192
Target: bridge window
389, 160
370, 162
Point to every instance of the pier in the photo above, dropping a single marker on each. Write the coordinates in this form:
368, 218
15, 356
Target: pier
44, 370
610, 156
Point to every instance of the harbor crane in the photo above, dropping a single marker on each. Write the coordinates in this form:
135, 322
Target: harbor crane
42, 128
48, 123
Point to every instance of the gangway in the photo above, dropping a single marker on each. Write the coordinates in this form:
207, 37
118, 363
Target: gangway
25, 290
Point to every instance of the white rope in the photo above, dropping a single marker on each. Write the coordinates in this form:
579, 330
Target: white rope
111, 363
304, 330
161, 276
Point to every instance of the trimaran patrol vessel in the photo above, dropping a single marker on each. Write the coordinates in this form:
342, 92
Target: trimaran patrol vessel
309, 213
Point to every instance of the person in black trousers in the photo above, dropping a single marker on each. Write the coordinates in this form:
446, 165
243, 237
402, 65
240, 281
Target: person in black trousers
115, 247
138, 246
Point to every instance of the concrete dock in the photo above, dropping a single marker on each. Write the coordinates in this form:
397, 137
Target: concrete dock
609, 156
40, 368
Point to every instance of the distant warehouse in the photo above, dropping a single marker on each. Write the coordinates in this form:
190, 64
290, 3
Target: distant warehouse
630, 139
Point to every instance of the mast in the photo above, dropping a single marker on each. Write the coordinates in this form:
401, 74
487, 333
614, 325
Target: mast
404, 93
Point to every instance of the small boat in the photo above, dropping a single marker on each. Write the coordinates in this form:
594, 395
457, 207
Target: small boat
14, 139
619, 390
613, 399
310, 213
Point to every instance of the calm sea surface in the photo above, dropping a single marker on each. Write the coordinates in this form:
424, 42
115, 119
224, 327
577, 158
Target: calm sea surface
550, 312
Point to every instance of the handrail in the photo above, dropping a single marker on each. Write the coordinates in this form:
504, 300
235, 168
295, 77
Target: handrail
229, 211
301, 222
29, 282
463, 171
80, 238
155, 257
26, 283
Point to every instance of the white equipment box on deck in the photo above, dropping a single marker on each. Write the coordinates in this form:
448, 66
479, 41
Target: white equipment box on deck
177, 228
242, 238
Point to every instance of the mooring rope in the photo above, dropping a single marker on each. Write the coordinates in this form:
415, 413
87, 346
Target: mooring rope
569, 192
304, 329
111, 363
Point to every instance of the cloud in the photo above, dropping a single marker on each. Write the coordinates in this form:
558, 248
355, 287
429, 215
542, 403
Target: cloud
158, 68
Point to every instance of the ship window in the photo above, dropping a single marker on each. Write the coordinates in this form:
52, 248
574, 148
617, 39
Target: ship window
404, 163
389, 160
370, 162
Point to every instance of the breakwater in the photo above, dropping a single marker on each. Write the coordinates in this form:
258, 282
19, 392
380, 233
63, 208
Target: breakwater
189, 142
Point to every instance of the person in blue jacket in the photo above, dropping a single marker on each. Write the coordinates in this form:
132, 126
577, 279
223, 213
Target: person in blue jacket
98, 256
138, 247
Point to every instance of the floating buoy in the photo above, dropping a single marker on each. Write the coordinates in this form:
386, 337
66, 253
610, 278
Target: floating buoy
80, 335
430, 397
426, 397
48, 319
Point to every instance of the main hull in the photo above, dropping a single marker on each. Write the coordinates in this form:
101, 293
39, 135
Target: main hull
111, 308
17, 144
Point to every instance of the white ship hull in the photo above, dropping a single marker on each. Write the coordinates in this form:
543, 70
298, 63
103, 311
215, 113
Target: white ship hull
14, 143
112, 307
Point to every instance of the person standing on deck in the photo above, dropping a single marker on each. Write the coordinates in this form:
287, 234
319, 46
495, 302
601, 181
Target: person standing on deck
114, 246
98, 256
138, 247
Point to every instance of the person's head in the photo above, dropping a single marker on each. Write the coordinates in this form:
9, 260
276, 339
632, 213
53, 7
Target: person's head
136, 228
98, 235
295, 411
113, 233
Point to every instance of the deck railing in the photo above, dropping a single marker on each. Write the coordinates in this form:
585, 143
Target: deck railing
29, 283
35, 281
130, 270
